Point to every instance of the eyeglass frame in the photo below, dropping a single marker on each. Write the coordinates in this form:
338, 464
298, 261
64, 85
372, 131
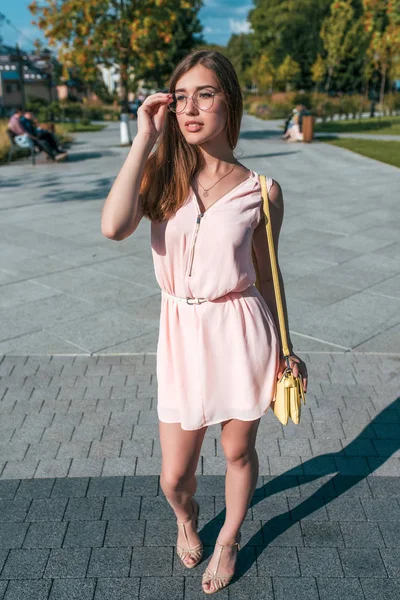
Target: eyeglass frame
213, 94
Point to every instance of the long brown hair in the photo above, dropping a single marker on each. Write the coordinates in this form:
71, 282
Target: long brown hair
169, 169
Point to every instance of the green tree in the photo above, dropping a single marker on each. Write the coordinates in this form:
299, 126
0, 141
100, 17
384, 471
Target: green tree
133, 34
287, 72
262, 73
240, 51
290, 27
318, 70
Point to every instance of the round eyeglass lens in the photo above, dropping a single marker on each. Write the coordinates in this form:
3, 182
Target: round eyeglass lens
203, 99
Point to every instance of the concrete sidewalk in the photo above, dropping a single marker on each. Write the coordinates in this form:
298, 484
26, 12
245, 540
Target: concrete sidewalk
82, 514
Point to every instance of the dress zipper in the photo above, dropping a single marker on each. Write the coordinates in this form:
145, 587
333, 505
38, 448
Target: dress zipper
199, 216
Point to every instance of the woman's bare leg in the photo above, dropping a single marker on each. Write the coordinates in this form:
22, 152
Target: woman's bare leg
238, 440
180, 451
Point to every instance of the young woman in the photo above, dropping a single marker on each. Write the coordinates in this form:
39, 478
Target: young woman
218, 353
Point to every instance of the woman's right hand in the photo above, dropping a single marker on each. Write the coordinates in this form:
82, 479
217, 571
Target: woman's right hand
151, 114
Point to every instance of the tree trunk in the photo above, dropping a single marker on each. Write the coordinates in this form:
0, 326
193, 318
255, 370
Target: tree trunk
383, 84
124, 115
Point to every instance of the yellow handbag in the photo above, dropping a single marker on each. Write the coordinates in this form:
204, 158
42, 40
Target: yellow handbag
289, 389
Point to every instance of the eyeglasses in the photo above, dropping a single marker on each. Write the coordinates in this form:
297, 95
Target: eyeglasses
202, 99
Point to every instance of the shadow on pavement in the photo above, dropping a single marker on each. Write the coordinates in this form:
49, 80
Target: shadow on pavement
384, 429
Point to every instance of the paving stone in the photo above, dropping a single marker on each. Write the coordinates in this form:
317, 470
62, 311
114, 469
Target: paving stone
74, 487
381, 509
156, 587
51, 509
282, 531
316, 562
12, 534
73, 450
391, 559
28, 589
351, 486
118, 588
324, 533
105, 486
14, 510
86, 467
22, 469
362, 562
345, 509
119, 466
25, 564
8, 489
146, 562
45, 535
251, 587
110, 562
130, 533
124, 508
67, 562
73, 589
278, 560
286, 485
84, 509
35, 488
361, 534
264, 508
84, 534
384, 486
141, 485
339, 589
53, 468
292, 588
384, 589
391, 533
308, 508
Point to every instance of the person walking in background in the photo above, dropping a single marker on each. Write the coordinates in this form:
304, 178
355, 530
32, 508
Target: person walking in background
218, 355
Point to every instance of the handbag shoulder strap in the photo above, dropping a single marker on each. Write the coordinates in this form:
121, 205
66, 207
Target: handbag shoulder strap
274, 268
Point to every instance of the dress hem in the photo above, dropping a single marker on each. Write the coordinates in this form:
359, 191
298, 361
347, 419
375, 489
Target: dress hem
216, 422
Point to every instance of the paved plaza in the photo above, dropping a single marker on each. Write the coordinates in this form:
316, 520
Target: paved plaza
82, 514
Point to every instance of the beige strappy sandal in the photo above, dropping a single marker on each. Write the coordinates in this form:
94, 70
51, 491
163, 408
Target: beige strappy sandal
219, 581
197, 551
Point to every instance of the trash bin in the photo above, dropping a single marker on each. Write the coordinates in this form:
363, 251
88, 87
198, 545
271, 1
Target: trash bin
308, 128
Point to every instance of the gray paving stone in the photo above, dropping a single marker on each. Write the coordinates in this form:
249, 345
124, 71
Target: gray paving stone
345, 509
324, 533
12, 534
28, 589
53, 468
118, 588
291, 588
339, 589
124, 508
251, 587
84, 509
73, 589
362, 562
45, 535
35, 488
119, 466
14, 510
391, 533
67, 562
110, 562
384, 589
131, 533
308, 508
71, 487
156, 587
86, 467
73, 450
316, 562
361, 535
279, 560
47, 509
391, 559
141, 485
8, 489
282, 531
84, 534
146, 562
381, 509
25, 564
19, 469
105, 486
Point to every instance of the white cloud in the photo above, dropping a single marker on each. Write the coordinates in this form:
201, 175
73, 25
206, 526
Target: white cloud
239, 26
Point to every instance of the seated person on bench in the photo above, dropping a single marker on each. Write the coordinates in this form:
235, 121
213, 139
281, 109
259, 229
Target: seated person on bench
38, 136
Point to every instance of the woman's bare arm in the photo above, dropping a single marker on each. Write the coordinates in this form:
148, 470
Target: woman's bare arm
121, 212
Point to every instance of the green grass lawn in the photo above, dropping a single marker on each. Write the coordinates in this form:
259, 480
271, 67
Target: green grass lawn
383, 125
385, 151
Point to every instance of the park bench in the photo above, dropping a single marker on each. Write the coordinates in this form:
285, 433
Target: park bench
14, 147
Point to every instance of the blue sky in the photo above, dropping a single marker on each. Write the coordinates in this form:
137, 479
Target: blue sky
220, 18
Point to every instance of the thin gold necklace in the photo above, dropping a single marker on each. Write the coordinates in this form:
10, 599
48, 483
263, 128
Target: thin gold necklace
206, 190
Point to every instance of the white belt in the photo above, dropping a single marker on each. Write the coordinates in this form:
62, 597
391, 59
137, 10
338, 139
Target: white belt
187, 300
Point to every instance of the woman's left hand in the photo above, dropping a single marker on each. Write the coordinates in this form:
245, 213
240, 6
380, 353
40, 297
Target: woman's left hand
298, 367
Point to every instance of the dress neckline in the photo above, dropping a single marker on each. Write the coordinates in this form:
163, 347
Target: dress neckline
238, 185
